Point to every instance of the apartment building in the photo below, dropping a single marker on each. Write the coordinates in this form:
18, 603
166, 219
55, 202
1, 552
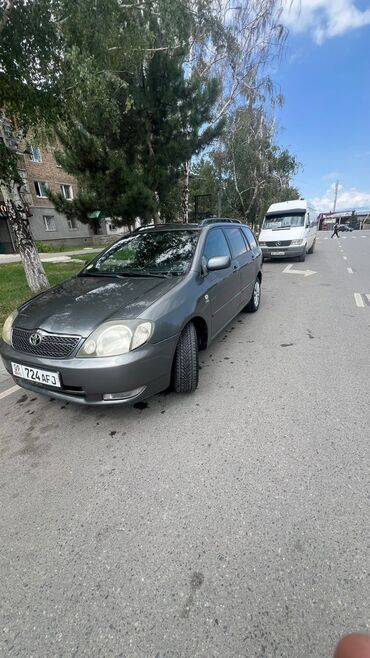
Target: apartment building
41, 173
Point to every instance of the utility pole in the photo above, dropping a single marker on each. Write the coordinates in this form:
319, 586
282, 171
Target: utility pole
335, 196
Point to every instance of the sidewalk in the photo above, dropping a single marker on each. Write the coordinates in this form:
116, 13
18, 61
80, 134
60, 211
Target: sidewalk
56, 257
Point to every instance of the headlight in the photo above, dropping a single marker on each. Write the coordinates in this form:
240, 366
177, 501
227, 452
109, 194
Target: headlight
8, 327
114, 338
297, 242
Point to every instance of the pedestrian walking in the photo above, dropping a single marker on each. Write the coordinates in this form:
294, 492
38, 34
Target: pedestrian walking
335, 231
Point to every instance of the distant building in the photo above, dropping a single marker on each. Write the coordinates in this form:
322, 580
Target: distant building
40, 173
356, 219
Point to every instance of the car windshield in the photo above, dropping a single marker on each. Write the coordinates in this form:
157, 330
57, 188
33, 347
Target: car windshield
150, 253
291, 220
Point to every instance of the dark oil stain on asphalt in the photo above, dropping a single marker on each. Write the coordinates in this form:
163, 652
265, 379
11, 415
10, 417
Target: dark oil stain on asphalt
141, 405
22, 399
163, 411
112, 433
286, 344
310, 334
196, 583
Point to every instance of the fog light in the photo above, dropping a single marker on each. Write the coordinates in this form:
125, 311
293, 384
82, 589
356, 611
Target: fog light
125, 395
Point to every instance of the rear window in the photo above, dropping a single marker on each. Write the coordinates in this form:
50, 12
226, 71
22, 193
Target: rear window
250, 237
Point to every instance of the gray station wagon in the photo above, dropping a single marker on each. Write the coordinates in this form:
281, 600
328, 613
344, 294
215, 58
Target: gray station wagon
131, 323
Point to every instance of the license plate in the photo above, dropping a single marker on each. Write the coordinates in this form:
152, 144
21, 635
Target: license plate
36, 375
278, 253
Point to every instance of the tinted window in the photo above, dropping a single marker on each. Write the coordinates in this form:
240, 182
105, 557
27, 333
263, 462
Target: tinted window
238, 246
250, 237
152, 252
216, 244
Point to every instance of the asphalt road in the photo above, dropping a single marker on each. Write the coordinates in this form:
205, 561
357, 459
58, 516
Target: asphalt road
233, 522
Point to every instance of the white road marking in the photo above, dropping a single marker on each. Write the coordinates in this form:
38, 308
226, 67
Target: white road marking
353, 237
9, 391
358, 299
288, 270
344, 237
345, 258
349, 270
364, 236
326, 238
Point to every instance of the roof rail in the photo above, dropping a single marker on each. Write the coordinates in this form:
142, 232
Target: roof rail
159, 226
218, 220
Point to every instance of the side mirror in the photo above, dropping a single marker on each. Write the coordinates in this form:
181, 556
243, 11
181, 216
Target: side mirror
218, 263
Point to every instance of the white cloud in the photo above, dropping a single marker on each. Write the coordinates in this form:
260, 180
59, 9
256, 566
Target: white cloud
350, 199
324, 18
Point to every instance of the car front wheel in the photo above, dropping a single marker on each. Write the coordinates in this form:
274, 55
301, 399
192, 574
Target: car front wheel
185, 373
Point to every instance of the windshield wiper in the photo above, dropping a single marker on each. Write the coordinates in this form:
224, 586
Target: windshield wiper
111, 275
123, 275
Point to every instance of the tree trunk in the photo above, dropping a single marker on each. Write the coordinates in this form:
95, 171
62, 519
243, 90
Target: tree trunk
185, 194
9, 6
24, 242
156, 213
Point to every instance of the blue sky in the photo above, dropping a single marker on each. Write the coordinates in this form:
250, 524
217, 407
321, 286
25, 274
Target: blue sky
324, 76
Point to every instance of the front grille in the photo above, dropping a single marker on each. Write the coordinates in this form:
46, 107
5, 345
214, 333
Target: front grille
55, 346
282, 243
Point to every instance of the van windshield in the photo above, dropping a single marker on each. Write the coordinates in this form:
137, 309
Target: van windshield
291, 220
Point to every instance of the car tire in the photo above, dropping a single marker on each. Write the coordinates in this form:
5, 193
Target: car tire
302, 257
312, 248
254, 303
185, 373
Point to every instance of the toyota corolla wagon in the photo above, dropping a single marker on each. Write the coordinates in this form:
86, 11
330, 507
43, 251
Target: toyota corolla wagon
132, 322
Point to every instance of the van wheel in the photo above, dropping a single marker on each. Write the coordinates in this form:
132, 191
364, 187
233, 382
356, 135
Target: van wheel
254, 303
185, 372
302, 257
312, 248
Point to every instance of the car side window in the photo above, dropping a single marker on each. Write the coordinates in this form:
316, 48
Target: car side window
250, 237
216, 244
238, 245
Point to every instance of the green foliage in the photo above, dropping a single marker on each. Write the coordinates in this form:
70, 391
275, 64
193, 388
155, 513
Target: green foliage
133, 127
249, 170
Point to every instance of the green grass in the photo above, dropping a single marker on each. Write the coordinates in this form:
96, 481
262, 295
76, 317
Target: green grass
13, 285
45, 248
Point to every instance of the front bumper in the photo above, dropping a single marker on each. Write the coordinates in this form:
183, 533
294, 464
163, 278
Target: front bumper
283, 252
86, 380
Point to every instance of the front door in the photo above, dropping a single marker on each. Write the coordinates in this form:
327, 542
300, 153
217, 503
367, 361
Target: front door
223, 286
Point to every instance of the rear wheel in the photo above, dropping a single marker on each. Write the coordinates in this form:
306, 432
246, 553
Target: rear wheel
254, 303
185, 373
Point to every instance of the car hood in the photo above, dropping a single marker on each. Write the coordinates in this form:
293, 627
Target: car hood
79, 305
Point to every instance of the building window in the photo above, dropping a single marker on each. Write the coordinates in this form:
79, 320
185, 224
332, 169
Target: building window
67, 192
49, 223
41, 189
72, 224
35, 153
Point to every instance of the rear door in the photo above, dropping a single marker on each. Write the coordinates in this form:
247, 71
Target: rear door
244, 260
223, 286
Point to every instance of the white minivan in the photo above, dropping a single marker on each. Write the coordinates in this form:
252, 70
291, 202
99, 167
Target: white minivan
289, 230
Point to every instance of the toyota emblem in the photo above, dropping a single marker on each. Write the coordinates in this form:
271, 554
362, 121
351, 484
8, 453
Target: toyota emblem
35, 339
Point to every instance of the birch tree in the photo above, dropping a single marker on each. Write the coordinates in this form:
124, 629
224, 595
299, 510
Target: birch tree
234, 42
